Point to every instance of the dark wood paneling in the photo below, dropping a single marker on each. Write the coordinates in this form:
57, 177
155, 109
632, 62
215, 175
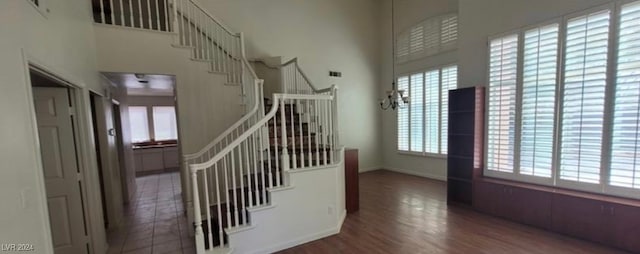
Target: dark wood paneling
580, 217
626, 226
352, 189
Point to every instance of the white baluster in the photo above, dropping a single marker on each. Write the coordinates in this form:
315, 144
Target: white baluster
275, 145
131, 19
242, 196
199, 235
301, 141
140, 13
309, 145
167, 15
293, 135
156, 3
285, 150
102, 18
149, 14
219, 202
113, 16
226, 191
264, 183
235, 191
317, 131
122, 14
207, 206
247, 166
330, 136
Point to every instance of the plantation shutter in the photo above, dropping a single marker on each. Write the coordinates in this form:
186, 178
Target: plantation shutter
502, 103
449, 82
416, 41
585, 77
449, 32
432, 113
403, 117
402, 47
625, 149
538, 100
416, 118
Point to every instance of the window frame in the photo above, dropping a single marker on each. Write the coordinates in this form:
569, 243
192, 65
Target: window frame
408, 74
151, 123
603, 187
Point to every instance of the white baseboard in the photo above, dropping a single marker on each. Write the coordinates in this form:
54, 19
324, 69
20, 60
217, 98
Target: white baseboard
307, 238
415, 173
362, 170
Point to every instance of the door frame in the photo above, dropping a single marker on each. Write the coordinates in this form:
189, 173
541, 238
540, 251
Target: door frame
87, 160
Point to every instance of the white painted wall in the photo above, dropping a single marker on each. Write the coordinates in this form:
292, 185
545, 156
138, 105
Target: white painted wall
62, 41
325, 35
407, 14
311, 208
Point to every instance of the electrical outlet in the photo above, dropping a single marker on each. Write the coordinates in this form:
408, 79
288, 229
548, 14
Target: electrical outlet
330, 210
335, 74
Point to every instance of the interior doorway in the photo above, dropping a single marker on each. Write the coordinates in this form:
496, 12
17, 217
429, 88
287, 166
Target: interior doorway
56, 112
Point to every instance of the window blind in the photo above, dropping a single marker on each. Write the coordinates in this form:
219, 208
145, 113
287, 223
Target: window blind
502, 102
429, 37
432, 113
625, 149
403, 117
538, 100
449, 32
585, 77
416, 117
139, 124
449, 82
416, 40
164, 123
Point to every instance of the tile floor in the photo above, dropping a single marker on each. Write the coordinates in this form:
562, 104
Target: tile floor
154, 221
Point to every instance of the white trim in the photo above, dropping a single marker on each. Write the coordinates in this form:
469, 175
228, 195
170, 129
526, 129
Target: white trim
442, 178
422, 154
87, 161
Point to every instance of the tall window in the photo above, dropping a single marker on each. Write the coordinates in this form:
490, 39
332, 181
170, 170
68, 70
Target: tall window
139, 123
502, 103
579, 129
422, 126
164, 123
625, 149
585, 80
538, 100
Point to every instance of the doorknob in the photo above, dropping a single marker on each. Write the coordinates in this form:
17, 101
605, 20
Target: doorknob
112, 132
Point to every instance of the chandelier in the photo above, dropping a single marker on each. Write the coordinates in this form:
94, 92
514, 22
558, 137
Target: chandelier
395, 98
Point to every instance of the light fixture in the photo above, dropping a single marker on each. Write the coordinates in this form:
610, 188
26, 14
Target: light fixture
395, 98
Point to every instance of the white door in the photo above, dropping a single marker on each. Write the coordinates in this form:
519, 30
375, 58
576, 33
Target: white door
58, 148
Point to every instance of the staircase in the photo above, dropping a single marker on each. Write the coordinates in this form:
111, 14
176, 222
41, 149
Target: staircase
255, 187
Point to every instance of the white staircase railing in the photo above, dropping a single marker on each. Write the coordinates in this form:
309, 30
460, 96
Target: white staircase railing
294, 80
297, 132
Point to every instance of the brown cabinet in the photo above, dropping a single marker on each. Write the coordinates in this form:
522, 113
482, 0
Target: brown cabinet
351, 175
465, 139
606, 220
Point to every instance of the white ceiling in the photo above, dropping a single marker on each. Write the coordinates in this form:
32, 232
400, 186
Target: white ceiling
158, 85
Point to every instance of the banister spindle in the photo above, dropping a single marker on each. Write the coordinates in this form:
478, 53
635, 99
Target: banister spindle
285, 150
309, 145
226, 190
102, 18
122, 13
275, 145
149, 14
156, 3
247, 166
234, 190
141, 24
293, 135
131, 19
241, 159
207, 206
199, 235
219, 203
301, 141
113, 15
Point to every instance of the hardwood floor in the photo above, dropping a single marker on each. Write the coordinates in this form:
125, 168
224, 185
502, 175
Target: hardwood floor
407, 214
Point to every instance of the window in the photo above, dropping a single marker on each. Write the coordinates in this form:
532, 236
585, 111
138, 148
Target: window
160, 127
625, 149
538, 100
422, 126
164, 123
502, 103
576, 124
429, 37
139, 123
585, 79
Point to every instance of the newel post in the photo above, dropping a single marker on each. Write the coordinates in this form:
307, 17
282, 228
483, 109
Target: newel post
199, 235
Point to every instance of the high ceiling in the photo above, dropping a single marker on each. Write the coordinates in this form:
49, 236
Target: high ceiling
144, 84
